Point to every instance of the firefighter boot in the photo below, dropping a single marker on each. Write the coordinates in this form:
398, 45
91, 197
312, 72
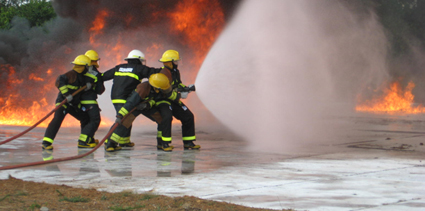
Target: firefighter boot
46, 145
82, 144
128, 145
159, 144
93, 141
190, 145
47, 154
111, 146
165, 147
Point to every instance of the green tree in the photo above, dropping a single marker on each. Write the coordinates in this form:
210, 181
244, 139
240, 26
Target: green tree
36, 12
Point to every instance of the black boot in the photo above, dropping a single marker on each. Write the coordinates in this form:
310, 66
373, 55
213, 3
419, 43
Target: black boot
46, 145
190, 145
111, 146
165, 147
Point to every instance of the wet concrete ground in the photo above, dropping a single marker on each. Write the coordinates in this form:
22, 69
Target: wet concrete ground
376, 163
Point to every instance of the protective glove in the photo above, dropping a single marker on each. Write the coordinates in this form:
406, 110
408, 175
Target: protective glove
184, 95
118, 119
191, 88
143, 106
88, 86
93, 72
69, 98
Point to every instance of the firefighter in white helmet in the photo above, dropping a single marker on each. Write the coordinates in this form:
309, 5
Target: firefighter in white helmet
177, 109
89, 100
67, 84
125, 78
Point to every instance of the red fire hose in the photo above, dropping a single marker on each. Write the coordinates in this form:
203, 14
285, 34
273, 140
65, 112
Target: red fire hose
115, 125
41, 120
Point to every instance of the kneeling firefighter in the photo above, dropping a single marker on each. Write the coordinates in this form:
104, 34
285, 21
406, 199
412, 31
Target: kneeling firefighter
143, 98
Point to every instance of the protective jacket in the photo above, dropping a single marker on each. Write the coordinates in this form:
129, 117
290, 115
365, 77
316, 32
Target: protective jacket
145, 92
125, 79
176, 79
94, 77
68, 83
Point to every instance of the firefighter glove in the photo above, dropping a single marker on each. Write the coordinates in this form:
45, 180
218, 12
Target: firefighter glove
184, 95
191, 88
93, 71
88, 86
118, 119
143, 106
69, 98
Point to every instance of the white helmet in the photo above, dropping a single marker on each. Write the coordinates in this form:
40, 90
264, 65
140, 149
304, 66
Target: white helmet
136, 54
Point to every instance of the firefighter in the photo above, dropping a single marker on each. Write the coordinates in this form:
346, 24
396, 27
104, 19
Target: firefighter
178, 109
89, 100
67, 84
143, 98
126, 77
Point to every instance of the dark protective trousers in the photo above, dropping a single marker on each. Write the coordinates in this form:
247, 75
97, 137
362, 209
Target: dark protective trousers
58, 118
88, 131
123, 129
181, 112
121, 134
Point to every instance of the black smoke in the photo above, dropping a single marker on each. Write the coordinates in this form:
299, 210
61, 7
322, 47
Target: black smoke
29, 50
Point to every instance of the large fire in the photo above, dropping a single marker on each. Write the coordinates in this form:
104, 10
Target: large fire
194, 24
395, 100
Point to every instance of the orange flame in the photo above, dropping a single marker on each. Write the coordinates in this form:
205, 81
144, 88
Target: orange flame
200, 21
98, 25
395, 100
14, 112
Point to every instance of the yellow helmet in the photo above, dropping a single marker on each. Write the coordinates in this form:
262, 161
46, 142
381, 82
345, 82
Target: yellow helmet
169, 56
159, 81
93, 55
81, 60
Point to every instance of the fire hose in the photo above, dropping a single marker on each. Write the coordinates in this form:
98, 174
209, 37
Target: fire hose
115, 125
44, 118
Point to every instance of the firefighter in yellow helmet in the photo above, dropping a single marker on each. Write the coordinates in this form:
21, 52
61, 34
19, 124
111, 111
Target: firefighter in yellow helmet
67, 84
125, 78
177, 109
144, 98
89, 100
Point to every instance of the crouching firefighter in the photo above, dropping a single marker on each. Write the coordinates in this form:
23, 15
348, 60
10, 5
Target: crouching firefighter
89, 103
143, 99
177, 109
67, 84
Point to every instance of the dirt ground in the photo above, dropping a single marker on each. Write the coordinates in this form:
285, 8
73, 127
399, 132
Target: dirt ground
16, 194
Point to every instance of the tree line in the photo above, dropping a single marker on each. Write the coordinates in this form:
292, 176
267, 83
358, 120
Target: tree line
37, 12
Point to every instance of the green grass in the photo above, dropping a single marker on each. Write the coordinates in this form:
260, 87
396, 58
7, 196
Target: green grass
74, 199
120, 208
103, 198
148, 196
21, 193
127, 193
60, 194
34, 206
5, 197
